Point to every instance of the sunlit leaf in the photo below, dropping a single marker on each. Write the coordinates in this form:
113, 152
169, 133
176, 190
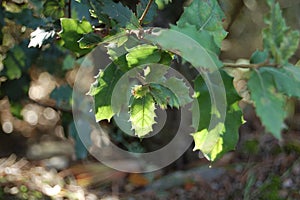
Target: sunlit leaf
224, 136
161, 3
102, 90
142, 114
72, 31
143, 54
138, 91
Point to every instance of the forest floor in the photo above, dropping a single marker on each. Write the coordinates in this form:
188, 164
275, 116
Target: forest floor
260, 168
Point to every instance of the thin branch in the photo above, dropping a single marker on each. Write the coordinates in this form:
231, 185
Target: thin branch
69, 9
145, 11
249, 66
45, 104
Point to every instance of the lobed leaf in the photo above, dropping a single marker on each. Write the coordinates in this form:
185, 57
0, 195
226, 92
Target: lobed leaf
223, 137
155, 74
206, 16
54, 8
142, 114
122, 14
180, 89
89, 40
176, 42
278, 38
287, 79
18, 59
163, 96
73, 30
102, 90
143, 54
269, 104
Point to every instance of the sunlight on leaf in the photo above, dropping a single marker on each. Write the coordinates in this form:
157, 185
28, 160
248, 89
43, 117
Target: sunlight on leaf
142, 115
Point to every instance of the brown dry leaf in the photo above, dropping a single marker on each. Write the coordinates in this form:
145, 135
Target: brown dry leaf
138, 180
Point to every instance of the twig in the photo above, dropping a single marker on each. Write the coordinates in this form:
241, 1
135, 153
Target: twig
43, 104
145, 11
69, 9
249, 66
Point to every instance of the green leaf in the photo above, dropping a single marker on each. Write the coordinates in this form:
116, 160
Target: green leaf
141, 6
102, 90
155, 73
25, 18
54, 8
63, 97
122, 14
204, 102
287, 79
72, 31
176, 42
269, 104
18, 60
143, 54
227, 133
278, 38
14, 62
142, 115
97, 11
161, 3
80, 142
69, 62
89, 40
119, 44
259, 57
139, 91
202, 37
180, 89
206, 16
81, 9
163, 96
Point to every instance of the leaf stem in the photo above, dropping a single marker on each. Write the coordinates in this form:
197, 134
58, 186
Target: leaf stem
249, 66
145, 12
69, 9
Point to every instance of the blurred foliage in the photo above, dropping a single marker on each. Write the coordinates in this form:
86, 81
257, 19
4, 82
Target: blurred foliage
44, 42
